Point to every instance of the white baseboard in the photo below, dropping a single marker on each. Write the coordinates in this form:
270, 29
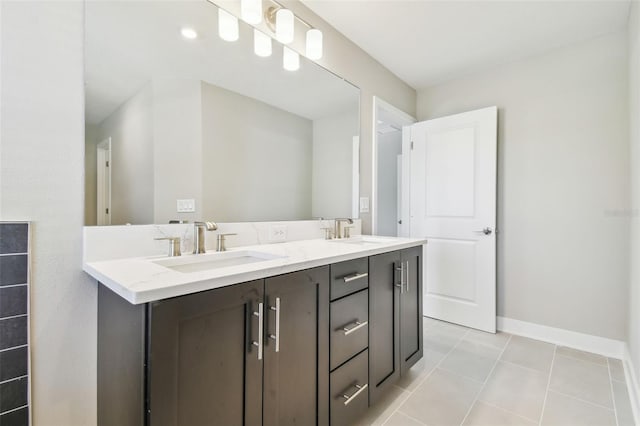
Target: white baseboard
632, 383
572, 339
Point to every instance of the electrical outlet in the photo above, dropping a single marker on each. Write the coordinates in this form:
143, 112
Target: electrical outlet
364, 204
277, 233
186, 206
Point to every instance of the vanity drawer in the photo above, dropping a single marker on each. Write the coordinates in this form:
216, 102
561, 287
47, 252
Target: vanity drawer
349, 277
349, 327
350, 390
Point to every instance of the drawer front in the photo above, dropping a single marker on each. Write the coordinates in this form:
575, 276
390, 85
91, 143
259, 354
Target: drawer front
349, 327
350, 391
349, 277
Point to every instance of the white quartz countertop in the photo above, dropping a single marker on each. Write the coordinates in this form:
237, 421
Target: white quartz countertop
142, 279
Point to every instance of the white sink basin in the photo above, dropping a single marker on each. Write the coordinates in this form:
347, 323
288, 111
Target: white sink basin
363, 239
218, 260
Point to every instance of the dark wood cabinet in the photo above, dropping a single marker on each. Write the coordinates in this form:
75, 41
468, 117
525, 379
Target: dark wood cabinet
203, 366
395, 317
294, 349
295, 344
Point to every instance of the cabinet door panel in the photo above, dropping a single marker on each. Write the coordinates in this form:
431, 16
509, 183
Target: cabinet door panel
411, 309
291, 374
203, 367
384, 326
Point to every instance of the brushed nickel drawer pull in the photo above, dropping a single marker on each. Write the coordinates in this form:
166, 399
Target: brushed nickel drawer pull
348, 398
276, 337
354, 277
358, 325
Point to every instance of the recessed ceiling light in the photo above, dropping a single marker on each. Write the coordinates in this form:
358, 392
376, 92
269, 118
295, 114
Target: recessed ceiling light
189, 33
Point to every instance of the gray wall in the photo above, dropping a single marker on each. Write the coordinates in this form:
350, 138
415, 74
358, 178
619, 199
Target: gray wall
634, 114
90, 174
41, 175
389, 147
332, 164
256, 172
131, 129
563, 181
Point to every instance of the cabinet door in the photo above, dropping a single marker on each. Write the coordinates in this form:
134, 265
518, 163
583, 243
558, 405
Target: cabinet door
411, 308
203, 366
384, 323
297, 309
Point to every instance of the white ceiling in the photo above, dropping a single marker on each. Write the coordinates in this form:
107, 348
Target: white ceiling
129, 43
426, 42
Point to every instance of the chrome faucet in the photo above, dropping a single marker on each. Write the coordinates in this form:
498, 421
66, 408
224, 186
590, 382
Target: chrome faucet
340, 228
198, 235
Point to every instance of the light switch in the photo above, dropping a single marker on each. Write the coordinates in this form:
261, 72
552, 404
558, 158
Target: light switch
364, 204
186, 206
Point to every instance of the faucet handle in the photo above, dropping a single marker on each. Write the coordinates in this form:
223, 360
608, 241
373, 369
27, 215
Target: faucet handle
221, 240
174, 245
328, 232
347, 231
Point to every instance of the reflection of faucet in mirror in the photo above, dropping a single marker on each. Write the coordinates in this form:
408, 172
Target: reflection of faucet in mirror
198, 235
340, 227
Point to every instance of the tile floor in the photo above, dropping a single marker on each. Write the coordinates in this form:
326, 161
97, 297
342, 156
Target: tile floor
468, 377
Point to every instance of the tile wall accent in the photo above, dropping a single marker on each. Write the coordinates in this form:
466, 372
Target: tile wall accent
14, 324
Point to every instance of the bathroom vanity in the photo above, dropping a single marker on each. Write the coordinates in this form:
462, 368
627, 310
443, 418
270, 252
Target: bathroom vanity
313, 333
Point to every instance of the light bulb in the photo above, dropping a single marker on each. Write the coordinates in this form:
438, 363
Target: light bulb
314, 44
290, 59
189, 33
284, 26
251, 11
261, 43
227, 26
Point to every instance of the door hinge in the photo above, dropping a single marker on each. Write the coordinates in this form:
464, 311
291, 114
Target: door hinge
107, 211
412, 145
107, 164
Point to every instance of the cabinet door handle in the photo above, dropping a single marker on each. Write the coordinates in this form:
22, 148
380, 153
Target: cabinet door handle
354, 277
407, 280
401, 269
356, 326
276, 337
260, 315
359, 390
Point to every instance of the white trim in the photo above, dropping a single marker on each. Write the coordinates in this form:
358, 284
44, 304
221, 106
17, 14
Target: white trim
402, 117
632, 383
572, 339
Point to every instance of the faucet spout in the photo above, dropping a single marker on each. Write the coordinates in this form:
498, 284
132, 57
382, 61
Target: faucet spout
340, 227
198, 235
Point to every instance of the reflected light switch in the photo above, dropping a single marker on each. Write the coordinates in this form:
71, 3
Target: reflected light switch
364, 204
186, 206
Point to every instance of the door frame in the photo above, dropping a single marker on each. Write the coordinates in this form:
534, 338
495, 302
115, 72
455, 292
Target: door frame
103, 182
402, 119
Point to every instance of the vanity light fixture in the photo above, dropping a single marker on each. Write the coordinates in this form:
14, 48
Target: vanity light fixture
284, 26
189, 33
261, 43
314, 44
290, 59
227, 26
251, 11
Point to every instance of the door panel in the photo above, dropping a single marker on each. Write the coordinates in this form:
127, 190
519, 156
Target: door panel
384, 324
203, 368
452, 200
291, 373
411, 309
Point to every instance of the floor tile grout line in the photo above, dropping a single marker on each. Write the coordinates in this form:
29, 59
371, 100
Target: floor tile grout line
533, 370
613, 395
593, 404
585, 360
495, 364
546, 392
425, 378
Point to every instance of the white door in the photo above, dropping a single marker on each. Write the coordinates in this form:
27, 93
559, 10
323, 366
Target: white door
453, 204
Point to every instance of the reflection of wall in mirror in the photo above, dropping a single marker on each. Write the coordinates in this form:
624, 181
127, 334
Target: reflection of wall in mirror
332, 164
240, 159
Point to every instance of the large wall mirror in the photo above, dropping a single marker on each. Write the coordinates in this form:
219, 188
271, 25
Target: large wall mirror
203, 129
